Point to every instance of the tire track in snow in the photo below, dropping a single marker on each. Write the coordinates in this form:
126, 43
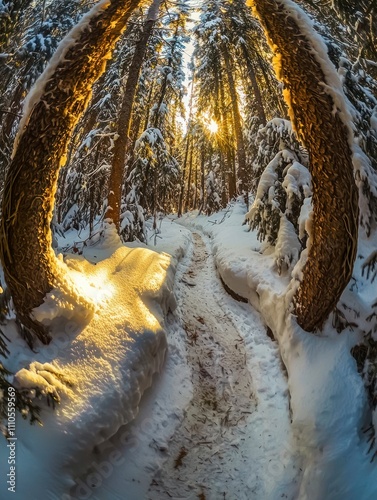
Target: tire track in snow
211, 454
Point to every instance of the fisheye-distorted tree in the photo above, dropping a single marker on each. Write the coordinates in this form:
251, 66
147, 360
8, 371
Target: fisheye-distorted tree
28, 260
333, 242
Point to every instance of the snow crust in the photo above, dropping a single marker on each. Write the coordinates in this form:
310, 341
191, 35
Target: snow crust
100, 371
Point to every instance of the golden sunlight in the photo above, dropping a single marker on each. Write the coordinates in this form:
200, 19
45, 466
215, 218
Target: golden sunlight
213, 126
94, 285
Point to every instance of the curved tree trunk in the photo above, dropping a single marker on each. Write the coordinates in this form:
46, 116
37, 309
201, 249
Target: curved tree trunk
124, 118
30, 265
333, 238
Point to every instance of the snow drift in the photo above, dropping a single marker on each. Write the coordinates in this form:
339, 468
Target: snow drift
99, 370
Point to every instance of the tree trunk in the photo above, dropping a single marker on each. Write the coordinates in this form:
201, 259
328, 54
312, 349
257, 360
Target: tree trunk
188, 195
317, 121
202, 182
255, 86
30, 265
194, 203
224, 198
241, 155
183, 176
188, 140
226, 146
218, 119
124, 118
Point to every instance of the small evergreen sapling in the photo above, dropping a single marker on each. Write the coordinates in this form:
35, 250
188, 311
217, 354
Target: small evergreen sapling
213, 203
282, 183
154, 177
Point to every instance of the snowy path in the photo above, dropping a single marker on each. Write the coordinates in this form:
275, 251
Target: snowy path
223, 396
221, 449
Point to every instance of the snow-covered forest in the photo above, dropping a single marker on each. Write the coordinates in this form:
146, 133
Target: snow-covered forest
188, 245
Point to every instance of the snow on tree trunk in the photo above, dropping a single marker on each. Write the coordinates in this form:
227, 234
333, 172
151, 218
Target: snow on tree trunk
320, 118
51, 111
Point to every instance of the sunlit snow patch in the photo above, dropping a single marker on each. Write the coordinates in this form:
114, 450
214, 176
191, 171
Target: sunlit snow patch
114, 343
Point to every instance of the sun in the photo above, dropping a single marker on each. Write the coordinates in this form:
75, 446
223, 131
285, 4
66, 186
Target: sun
213, 127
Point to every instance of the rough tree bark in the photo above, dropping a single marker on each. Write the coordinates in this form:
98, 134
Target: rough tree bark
124, 118
29, 262
318, 123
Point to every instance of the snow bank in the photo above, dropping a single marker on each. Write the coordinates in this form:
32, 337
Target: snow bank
336, 464
328, 398
288, 247
99, 370
240, 258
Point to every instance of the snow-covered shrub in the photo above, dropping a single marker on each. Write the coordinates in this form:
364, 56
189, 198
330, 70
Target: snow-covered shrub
365, 355
213, 203
288, 247
154, 177
132, 223
276, 136
283, 183
361, 91
72, 219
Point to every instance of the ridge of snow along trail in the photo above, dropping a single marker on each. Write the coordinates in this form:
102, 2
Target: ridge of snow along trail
98, 366
191, 403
